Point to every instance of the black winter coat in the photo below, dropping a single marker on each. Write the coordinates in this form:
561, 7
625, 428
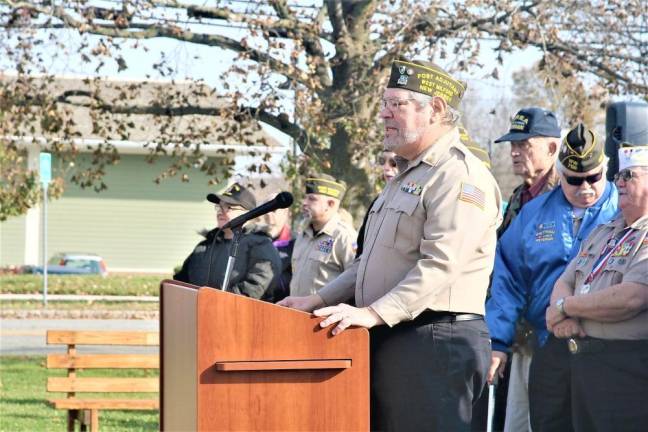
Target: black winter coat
257, 263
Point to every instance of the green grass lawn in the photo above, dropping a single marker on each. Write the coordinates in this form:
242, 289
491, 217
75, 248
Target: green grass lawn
23, 399
136, 285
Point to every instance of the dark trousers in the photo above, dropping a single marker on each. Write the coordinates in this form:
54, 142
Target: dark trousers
550, 387
426, 377
480, 410
610, 388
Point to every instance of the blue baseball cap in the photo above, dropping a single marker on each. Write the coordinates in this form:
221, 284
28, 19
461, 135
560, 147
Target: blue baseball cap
532, 122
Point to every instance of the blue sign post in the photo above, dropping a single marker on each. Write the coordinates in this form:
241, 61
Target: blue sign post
45, 170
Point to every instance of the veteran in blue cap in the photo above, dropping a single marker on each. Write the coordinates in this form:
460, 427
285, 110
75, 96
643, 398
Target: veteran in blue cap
535, 139
534, 135
421, 281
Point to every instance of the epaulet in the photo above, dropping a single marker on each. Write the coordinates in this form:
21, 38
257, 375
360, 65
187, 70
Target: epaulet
344, 227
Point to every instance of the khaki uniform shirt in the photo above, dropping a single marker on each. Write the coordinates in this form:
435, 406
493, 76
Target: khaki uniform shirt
430, 238
628, 263
320, 258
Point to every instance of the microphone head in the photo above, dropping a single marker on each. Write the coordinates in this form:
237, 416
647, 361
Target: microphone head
284, 199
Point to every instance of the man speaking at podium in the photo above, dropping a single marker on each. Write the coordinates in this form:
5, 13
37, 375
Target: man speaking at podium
421, 281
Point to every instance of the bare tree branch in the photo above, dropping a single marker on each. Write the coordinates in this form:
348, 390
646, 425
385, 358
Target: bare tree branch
172, 32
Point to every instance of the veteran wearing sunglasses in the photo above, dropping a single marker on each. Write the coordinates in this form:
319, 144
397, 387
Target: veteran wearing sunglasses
531, 255
429, 247
604, 292
257, 262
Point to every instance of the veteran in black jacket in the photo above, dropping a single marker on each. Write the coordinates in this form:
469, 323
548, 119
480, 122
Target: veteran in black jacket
257, 261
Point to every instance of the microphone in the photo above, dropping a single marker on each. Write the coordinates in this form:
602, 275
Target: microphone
282, 200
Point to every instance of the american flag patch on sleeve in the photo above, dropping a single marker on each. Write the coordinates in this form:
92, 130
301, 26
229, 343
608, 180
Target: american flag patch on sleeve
473, 195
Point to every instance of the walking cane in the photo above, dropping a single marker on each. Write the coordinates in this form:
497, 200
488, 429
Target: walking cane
491, 403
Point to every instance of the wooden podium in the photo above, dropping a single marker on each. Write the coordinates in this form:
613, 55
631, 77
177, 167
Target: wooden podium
229, 362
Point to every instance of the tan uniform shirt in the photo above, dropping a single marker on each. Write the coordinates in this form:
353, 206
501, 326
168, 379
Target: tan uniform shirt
320, 258
628, 263
430, 238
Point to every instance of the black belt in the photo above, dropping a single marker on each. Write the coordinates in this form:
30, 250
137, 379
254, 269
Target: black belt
589, 345
434, 317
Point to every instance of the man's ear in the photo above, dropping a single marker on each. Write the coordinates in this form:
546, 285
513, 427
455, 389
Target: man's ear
553, 147
439, 108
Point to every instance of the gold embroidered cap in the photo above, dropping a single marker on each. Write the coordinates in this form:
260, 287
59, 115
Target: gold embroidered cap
324, 184
482, 154
425, 77
581, 149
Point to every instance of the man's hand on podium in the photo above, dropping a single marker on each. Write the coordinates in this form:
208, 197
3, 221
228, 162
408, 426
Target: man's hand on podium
306, 304
346, 316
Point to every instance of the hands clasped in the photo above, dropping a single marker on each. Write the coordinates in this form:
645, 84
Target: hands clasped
562, 326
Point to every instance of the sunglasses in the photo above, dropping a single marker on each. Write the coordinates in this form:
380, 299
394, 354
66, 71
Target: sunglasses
626, 175
382, 160
577, 181
228, 208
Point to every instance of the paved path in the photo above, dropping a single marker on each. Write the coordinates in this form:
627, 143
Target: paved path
72, 297
27, 336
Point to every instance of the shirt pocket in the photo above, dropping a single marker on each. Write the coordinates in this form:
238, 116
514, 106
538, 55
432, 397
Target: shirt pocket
618, 265
320, 257
583, 263
402, 229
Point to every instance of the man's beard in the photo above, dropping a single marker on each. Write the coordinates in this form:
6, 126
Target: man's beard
401, 139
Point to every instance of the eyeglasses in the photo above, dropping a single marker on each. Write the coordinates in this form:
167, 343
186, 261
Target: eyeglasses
626, 175
395, 104
577, 181
382, 160
224, 208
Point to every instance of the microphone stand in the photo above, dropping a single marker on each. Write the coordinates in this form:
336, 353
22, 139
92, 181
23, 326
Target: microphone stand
232, 256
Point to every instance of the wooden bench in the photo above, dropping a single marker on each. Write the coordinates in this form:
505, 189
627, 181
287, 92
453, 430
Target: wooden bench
86, 411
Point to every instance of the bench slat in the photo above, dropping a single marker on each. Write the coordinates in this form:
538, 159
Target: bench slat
103, 361
121, 404
98, 385
103, 337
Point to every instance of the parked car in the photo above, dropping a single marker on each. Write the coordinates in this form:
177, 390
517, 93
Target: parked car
73, 264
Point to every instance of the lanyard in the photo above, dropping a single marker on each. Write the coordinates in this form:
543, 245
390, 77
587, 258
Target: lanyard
606, 253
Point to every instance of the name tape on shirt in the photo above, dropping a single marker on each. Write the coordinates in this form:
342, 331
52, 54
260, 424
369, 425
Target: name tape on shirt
472, 195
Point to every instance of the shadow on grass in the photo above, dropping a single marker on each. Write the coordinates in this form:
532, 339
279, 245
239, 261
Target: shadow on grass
129, 424
30, 416
23, 401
